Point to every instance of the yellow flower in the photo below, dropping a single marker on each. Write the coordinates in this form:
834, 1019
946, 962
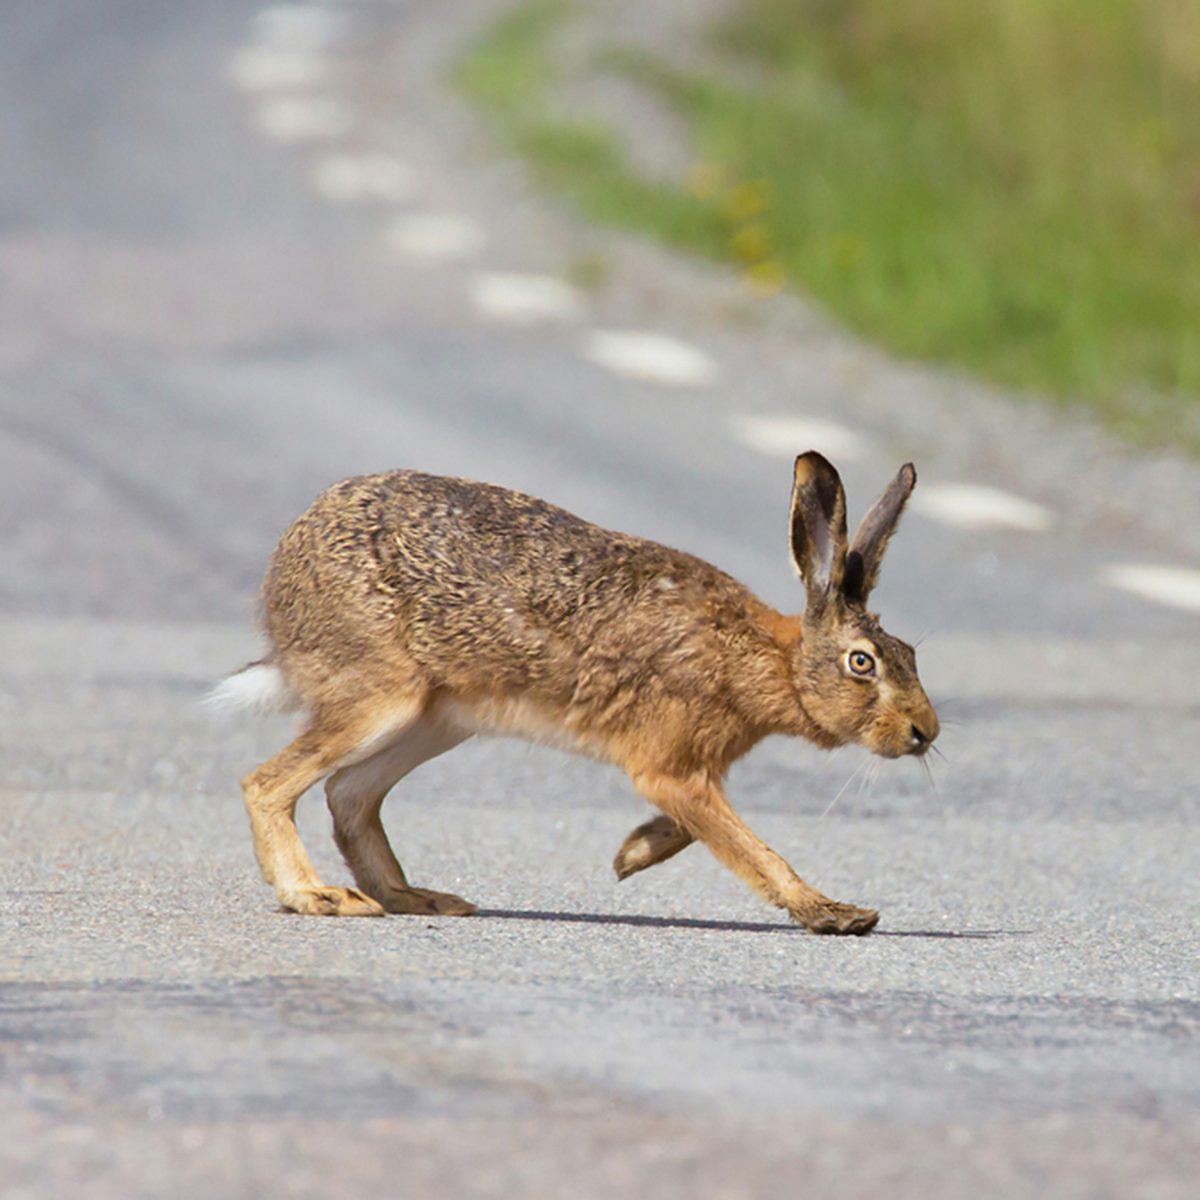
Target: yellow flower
765, 278
749, 199
751, 243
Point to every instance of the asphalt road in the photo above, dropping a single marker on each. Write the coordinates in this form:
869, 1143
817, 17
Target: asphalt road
192, 344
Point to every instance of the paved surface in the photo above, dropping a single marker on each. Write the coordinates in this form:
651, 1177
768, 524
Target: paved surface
191, 345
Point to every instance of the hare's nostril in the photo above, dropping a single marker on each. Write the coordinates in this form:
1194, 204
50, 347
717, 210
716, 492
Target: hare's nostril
920, 740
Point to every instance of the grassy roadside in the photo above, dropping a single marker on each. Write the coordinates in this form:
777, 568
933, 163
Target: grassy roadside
510, 75
1010, 186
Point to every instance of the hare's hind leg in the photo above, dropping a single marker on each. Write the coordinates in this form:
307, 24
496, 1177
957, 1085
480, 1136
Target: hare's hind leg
271, 793
654, 842
355, 795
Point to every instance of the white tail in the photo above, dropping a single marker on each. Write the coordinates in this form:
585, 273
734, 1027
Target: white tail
259, 687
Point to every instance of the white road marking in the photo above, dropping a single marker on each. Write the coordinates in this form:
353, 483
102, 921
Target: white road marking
435, 236
525, 299
784, 436
261, 69
650, 356
300, 119
970, 506
298, 26
1177, 586
347, 178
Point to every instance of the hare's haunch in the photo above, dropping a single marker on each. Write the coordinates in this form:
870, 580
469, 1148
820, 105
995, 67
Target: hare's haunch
406, 612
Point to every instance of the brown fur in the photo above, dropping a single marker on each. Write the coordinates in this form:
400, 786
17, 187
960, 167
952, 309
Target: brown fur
409, 611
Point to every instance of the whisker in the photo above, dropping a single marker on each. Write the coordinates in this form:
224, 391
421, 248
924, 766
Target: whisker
939, 754
929, 776
876, 768
867, 780
841, 791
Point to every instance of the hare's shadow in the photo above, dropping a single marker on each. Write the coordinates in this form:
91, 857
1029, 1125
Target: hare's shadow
777, 927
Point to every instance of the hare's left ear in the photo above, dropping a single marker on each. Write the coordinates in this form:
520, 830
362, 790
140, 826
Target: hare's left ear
818, 527
866, 551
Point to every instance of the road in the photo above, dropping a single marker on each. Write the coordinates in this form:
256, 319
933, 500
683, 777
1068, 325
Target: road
193, 342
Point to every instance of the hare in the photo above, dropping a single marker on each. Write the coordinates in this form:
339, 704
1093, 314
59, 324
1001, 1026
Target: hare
406, 612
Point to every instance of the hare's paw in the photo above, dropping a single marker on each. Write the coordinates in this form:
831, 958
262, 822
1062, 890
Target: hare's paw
423, 902
331, 902
648, 844
832, 917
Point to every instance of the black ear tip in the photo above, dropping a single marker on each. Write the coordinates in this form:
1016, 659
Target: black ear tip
909, 474
814, 462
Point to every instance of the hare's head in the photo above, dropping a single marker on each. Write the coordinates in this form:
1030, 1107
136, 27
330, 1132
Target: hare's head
856, 682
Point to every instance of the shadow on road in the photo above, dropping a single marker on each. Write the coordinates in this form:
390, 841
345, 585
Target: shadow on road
970, 934
780, 927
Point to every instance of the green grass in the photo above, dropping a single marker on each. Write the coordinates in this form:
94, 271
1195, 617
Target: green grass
510, 75
1009, 186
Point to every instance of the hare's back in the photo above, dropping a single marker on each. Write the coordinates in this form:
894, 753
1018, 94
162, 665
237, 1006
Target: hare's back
474, 582
461, 541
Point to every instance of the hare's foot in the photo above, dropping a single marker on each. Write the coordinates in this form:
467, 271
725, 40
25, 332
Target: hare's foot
651, 843
330, 902
423, 902
831, 917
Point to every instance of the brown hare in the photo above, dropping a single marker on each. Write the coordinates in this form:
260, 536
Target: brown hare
406, 612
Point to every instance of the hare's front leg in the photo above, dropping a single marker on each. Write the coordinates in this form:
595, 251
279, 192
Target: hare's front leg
355, 795
698, 804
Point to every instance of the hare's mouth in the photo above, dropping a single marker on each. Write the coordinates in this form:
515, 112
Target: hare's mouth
915, 743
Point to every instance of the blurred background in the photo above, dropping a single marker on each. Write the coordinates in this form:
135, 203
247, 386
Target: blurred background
631, 257
1010, 186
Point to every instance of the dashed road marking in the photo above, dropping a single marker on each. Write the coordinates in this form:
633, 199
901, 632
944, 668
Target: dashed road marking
302, 119
348, 178
440, 237
299, 26
262, 69
783, 435
652, 357
525, 299
970, 506
1178, 587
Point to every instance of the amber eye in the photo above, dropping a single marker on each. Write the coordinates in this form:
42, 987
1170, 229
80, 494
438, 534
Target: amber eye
861, 663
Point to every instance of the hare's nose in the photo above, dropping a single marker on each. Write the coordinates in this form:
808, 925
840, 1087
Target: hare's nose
920, 740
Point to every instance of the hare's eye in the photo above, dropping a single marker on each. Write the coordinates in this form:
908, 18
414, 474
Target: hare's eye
861, 663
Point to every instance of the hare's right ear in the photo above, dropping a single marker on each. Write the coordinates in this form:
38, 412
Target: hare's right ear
818, 527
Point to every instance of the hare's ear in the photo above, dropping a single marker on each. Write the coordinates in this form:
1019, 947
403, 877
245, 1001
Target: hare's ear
818, 527
866, 551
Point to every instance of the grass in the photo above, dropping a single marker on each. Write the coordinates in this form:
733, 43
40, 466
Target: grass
510, 75
1009, 186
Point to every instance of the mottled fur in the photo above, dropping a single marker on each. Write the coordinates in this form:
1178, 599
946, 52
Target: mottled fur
409, 611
